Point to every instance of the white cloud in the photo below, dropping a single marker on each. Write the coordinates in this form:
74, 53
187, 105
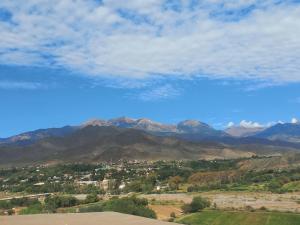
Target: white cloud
230, 124
140, 39
294, 120
250, 124
18, 85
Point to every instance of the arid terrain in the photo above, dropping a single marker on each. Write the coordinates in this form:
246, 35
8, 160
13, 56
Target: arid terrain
288, 202
103, 218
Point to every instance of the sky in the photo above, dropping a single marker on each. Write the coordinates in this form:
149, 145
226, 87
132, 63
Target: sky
221, 62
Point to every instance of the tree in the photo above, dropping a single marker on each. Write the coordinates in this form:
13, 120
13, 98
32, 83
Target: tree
174, 182
198, 203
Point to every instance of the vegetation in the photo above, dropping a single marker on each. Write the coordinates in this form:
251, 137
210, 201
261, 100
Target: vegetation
128, 205
61, 182
131, 205
198, 203
145, 177
240, 218
54, 202
91, 198
18, 202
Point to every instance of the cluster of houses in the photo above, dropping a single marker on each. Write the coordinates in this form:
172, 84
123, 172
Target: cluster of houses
39, 176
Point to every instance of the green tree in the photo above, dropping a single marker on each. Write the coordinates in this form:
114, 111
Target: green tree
198, 203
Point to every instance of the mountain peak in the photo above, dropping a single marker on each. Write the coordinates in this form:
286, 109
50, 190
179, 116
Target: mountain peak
122, 119
95, 122
144, 120
192, 123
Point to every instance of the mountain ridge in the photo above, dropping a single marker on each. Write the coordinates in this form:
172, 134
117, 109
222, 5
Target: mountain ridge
141, 139
193, 130
110, 143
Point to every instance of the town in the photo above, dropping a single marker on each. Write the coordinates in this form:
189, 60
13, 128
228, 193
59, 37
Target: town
24, 190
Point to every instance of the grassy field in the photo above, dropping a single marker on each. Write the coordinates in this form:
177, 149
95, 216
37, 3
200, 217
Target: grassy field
240, 218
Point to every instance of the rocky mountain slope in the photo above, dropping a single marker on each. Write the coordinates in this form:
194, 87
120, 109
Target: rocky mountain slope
282, 131
241, 131
125, 138
108, 143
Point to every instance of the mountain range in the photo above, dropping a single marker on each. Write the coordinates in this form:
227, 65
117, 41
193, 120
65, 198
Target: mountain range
143, 139
202, 130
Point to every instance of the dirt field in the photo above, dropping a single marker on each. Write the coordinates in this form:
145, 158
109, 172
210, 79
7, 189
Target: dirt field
238, 200
163, 211
105, 218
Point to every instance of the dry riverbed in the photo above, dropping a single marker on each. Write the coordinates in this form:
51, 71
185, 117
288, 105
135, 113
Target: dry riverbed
289, 202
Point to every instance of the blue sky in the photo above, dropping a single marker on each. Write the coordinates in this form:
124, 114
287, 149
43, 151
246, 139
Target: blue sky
228, 61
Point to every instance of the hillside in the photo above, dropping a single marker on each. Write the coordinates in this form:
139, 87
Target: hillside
241, 131
108, 143
188, 129
143, 139
94, 144
282, 131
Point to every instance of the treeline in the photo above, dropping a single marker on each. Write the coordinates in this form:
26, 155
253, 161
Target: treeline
128, 205
17, 202
270, 180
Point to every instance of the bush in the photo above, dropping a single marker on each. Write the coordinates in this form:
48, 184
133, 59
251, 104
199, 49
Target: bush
91, 198
10, 212
33, 209
172, 215
5, 205
92, 208
17, 202
263, 208
54, 202
198, 203
130, 205
274, 186
171, 219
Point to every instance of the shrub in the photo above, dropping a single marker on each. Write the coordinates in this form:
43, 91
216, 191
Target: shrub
263, 208
172, 215
198, 203
54, 202
10, 212
5, 205
15, 202
33, 209
92, 208
130, 205
91, 198
249, 208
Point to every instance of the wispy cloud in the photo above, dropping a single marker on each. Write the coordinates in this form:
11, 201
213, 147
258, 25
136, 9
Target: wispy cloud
18, 85
233, 39
159, 93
